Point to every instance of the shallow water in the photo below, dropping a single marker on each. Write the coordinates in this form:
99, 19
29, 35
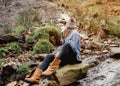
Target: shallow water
106, 73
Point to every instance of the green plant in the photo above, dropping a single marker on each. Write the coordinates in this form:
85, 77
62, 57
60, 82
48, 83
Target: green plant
42, 46
19, 30
21, 72
30, 39
40, 34
48, 32
28, 17
14, 46
1, 60
3, 52
91, 15
114, 30
23, 68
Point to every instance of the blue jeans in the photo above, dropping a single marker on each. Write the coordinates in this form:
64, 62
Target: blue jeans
67, 56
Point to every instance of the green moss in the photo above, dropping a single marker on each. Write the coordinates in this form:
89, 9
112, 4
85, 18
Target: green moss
40, 33
48, 32
20, 72
1, 60
30, 39
3, 52
18, 30
42, 46
14, 46
23, 68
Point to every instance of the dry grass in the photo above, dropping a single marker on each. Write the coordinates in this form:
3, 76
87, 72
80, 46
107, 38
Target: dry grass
94, 14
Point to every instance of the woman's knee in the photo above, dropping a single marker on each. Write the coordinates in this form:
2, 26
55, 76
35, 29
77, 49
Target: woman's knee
66, 45
50, 57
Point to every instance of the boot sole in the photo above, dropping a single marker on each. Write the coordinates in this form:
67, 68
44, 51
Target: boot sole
31, 82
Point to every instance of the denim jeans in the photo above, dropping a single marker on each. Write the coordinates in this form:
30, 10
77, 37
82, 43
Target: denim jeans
67, 56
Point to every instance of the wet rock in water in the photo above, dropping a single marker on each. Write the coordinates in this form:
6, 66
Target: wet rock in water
115, 52
105, 74
93, 61
71, 73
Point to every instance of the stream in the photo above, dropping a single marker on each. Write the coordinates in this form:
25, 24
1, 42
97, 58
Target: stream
106, 73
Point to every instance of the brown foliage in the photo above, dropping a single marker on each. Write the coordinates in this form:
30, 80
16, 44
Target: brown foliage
92, 15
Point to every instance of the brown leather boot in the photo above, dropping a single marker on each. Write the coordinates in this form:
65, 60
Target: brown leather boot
52, 67
35, 77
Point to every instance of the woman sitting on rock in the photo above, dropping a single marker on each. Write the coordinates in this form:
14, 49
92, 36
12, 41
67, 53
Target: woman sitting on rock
69, 54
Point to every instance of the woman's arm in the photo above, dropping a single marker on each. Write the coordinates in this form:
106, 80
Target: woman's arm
74, 41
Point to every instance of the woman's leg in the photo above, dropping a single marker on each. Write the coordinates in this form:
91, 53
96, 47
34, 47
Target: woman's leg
49, 58
38, 72
67, 55
52, 67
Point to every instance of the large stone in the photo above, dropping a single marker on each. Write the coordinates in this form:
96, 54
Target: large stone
115, 52
71, 73
9, 10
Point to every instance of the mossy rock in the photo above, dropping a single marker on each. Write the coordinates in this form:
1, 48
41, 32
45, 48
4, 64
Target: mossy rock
42, 46
47, 32
40, 34
71, 73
